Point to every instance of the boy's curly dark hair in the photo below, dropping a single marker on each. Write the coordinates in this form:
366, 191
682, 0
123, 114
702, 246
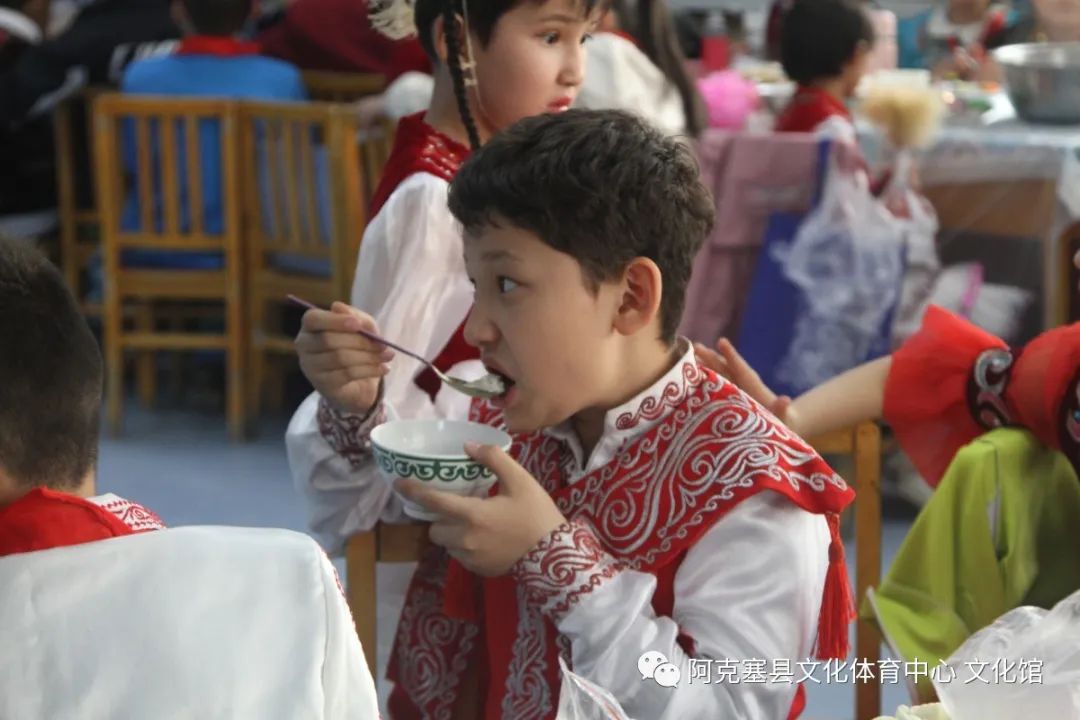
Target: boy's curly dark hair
600, 185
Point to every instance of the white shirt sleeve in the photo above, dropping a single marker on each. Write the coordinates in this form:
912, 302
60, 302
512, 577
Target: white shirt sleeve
411, 278
621, 77
750, 589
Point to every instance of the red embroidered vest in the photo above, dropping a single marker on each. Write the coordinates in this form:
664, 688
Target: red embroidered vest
418, 147
714, 447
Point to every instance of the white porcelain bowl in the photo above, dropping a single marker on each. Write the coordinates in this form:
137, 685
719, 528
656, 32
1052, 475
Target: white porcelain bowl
432, 452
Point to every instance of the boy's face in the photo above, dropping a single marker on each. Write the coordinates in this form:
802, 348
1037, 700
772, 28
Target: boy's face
537, 324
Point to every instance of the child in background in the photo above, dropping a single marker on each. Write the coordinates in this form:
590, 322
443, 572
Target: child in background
636, 64
170, 623
824, 48
950, 38
508, 59
646, 506
945, 386
212, 62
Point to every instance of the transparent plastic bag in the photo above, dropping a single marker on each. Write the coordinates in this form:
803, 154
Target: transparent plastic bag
847, 262
1025, 665
580, 699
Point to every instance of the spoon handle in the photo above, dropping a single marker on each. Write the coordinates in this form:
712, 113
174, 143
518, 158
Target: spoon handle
365, 333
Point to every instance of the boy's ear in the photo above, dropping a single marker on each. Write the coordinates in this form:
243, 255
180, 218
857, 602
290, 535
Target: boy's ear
641, 292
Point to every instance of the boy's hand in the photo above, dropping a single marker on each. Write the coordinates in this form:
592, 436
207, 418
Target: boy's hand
344, 367
727, 362
489, 535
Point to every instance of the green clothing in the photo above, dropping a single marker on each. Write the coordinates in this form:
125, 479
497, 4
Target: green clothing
1001, 530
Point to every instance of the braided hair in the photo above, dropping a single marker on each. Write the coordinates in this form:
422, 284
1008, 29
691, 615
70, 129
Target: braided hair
453, 62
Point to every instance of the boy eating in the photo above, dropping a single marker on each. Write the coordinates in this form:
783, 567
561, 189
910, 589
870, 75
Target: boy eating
647, 506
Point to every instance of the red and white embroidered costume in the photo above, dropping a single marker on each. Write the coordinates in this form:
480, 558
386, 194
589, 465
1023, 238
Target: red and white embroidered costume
410, 277
697, 529
105, 614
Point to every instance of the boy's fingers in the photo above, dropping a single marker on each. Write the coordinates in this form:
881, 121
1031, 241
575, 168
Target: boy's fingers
497, 461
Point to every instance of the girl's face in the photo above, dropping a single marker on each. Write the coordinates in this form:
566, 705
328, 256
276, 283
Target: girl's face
534, 63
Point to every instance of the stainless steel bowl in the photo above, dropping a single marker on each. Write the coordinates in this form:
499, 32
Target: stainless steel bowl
1043, 81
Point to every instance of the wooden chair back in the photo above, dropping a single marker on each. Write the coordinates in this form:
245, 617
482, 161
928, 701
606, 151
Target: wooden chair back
404, 543
78, 220
863, 443
342, 87
155, 182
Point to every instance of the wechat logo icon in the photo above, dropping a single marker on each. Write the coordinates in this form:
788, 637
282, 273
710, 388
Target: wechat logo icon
655, 666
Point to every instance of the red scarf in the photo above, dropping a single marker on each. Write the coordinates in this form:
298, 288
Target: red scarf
420, 148
809, 108
216, 46
449, 613
43, 519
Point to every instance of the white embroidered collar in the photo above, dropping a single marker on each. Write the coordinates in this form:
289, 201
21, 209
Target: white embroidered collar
638, 414
20, 26
134, 515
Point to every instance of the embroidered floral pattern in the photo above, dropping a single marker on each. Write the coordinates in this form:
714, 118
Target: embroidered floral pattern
348, 434
431, 651
654, 406
567, 564
135, 516
528, 693
706, 446
986, 390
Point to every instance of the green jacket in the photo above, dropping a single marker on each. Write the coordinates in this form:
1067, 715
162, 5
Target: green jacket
1000, 531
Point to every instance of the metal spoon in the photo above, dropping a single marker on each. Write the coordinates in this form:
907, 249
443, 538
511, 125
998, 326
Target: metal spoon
488, 386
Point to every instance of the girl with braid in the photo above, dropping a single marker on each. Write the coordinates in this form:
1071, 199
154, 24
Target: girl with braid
496, 62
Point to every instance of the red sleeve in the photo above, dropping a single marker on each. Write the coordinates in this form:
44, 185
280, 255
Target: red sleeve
1044, 392
931, 390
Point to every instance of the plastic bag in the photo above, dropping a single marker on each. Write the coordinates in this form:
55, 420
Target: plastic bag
847, 260
1025, 665
919, 224
580, 699
931, 711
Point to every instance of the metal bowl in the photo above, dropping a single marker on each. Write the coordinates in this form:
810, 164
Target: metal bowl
1043, 81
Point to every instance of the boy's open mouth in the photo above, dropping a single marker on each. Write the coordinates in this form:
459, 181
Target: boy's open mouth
507, 381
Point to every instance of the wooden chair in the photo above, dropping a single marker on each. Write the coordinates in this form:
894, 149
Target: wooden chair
1007, 210
863, 444
78, 224
304, 209
341, 87
404, 543
170, 218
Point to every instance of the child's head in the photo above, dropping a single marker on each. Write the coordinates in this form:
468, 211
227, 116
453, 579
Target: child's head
650, 23
50, 378
580, 232
505, 59
224, 18
826, 41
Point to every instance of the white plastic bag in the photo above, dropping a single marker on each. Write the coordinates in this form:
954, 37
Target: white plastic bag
1025, 665
580, 699
847, 261
919, 223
